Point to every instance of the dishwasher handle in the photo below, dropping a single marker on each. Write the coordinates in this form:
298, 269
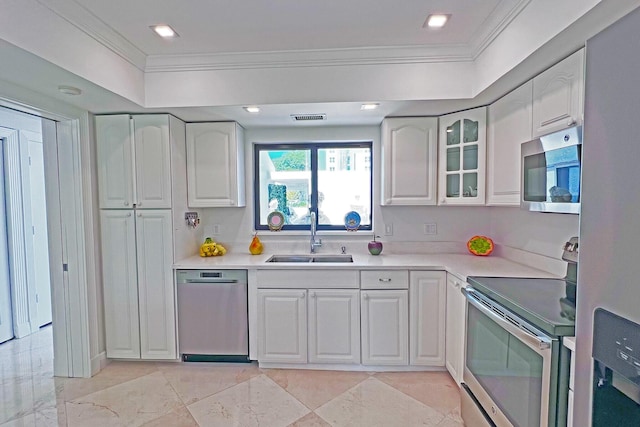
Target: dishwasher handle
211, 280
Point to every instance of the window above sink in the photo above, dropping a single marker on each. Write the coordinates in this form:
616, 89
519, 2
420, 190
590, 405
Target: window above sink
328, 178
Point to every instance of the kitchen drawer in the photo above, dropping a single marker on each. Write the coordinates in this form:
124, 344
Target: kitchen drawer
308, 279
384, 279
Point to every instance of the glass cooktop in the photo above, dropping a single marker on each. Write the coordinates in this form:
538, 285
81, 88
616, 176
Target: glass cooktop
548, 304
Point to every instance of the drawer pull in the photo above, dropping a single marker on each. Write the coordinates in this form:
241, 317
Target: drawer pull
365, 296
387, 280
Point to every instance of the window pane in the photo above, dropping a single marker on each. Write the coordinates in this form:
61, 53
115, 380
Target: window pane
344, 185
453, 133
285, 184
470, 157
453, 159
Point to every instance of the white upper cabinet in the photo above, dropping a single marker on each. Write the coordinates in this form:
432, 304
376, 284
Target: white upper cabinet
409, 162
115, 161
509, 125
152, 161
215, 164
558, 96
462, 158
134, 161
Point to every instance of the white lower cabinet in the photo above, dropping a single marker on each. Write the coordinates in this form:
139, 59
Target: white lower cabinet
334, 326
455, 329
139, 301
427, 318
384, 323
282, 323
315, 326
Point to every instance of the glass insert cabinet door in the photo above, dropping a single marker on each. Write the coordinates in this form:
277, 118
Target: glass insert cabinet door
462, 147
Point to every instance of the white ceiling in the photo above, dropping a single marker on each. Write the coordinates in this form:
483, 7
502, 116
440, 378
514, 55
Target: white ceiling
222, 26
242, 28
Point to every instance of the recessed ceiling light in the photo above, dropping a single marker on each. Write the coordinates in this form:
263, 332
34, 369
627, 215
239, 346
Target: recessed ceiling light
164, 31
252, 109
69, 90
436, 20
369, 106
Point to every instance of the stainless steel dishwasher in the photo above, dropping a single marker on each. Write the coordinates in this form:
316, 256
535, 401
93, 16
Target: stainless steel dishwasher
212, 315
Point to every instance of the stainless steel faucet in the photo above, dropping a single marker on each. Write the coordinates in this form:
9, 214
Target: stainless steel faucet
314, 243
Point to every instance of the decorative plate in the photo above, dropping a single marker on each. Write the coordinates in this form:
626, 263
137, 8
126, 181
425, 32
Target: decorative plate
480, 245
275, 221
352, 221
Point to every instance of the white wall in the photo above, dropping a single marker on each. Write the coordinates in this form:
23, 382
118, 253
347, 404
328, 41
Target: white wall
543, 234
536, 232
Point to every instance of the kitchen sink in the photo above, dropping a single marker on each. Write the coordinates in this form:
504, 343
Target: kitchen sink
332, 258
289, 258
310, 258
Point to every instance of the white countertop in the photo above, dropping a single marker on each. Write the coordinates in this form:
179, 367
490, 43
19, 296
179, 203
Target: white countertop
462, 265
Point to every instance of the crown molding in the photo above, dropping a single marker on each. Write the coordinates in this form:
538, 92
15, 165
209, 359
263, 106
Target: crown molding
81, 18
309, 58
495, 24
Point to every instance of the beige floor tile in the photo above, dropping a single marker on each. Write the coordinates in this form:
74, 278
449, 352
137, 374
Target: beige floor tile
257, 402
130, 404
373, 403
194, 382
435, 389
180, 417
310, 420
113, 374
315, 388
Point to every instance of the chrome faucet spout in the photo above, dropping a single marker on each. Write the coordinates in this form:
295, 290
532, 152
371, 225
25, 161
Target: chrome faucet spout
314, 243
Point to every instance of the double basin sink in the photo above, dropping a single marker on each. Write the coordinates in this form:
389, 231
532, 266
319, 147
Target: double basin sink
310, 258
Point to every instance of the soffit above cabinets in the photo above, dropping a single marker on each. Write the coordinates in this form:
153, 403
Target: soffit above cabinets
288, 56
256, 26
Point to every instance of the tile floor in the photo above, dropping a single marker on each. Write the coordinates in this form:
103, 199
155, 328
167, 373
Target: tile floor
202, 394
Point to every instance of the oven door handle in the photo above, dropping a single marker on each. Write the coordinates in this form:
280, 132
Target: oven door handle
534, 341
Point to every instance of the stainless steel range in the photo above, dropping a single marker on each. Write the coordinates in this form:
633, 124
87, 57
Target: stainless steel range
516, 370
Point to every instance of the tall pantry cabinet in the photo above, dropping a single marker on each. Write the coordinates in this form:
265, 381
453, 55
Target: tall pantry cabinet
142, 192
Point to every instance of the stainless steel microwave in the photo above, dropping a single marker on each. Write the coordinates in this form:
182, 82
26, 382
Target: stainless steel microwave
550, 172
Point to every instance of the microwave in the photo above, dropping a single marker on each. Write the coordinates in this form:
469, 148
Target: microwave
551, 168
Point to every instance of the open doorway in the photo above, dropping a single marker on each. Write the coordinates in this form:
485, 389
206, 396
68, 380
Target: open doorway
25, 285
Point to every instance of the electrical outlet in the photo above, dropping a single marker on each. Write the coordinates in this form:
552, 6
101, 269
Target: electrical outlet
388, 229
430, 228
215, 229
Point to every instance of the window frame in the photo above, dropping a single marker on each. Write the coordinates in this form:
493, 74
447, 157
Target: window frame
313, 147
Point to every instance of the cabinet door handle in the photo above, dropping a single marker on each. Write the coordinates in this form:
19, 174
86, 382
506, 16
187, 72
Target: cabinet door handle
129, 214
126, 203
384, 280
312, 294
139, 203
571, 121
302, 295
139, 215
365, 296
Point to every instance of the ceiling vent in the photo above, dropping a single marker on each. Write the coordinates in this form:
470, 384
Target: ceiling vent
308, 117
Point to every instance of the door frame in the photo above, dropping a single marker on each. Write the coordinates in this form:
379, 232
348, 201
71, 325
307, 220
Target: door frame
71, 227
